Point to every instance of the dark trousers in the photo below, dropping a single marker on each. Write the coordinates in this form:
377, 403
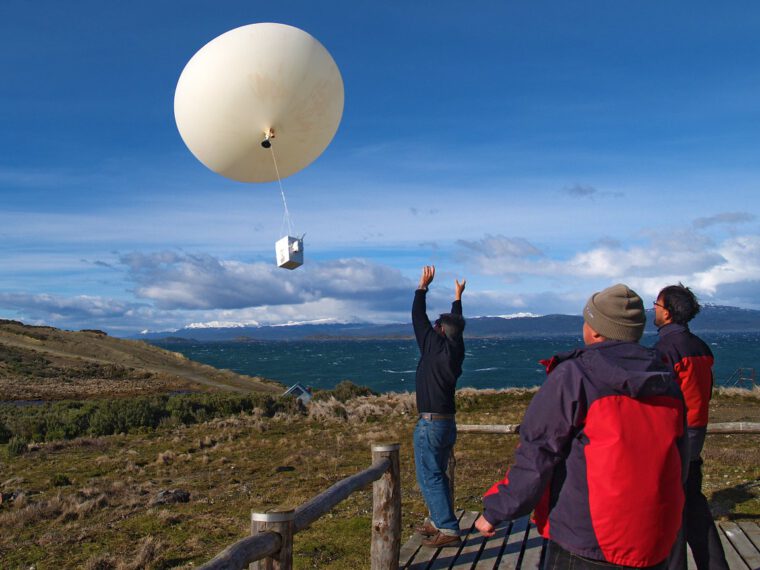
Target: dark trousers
698, 529
557, 558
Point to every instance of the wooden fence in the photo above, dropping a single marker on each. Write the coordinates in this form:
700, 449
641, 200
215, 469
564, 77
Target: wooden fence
270, 545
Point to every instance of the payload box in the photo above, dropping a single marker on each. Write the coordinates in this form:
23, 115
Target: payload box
289, 251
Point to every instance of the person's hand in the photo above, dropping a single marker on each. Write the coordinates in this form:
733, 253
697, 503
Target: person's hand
428, 274
484, 527
459, 289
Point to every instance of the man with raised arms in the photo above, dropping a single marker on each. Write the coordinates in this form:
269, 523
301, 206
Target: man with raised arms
441, 355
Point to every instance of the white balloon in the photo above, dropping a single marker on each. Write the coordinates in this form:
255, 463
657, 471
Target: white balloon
251, 81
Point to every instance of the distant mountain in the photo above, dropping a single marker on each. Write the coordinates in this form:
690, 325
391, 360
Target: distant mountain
713, 318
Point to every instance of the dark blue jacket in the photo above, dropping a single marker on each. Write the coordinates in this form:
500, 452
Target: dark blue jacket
602, 449
440, 362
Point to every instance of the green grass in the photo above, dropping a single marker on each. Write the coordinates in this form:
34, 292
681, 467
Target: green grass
71, 419
104, 517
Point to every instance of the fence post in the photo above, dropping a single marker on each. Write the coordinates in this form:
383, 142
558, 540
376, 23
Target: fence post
281, 522
386, 510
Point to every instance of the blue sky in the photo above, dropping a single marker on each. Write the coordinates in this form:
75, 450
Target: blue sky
543, 150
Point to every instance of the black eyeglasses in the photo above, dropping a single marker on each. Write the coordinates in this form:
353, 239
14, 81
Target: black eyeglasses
656, 304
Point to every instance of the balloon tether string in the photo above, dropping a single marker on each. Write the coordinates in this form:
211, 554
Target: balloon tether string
286, 217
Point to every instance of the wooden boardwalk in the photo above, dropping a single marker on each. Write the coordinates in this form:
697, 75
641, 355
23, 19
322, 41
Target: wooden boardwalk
517, 545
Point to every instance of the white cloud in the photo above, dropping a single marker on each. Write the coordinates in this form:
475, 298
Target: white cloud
741, 264
505, 275
200, 281
662, 259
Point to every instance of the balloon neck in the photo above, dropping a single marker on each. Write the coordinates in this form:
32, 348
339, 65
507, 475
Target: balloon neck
268, 136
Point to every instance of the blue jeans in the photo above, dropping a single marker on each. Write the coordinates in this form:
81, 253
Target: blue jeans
433, 443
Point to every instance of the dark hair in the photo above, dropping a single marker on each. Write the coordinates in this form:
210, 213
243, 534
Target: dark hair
452, 325
680, 302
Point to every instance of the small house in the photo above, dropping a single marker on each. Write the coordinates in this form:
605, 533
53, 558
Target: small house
299, 392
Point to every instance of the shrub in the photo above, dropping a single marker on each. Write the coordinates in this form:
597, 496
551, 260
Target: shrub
344, 391
5, 433
60, 480
16, 447
72, 419
288, 405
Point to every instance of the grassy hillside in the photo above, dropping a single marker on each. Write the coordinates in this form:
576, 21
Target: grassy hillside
44, 363
97, 502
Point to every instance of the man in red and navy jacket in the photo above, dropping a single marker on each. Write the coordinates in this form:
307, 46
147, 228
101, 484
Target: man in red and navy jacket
690, 361
602, 448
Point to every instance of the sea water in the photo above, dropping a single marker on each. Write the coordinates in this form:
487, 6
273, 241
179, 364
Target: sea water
389, 365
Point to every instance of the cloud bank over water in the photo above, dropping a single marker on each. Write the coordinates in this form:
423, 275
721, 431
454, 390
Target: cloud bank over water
172, 289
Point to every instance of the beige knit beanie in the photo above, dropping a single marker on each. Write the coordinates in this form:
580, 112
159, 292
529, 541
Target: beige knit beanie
616, 313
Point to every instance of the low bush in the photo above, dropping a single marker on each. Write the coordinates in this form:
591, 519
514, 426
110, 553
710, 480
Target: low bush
5, 433
16, 447
60, 480
344, 391
71, 419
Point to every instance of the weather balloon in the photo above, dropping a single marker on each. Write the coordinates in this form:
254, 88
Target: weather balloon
261, 83
260, 103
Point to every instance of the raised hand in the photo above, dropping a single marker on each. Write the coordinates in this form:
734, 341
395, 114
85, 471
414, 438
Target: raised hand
459, 288
428, 274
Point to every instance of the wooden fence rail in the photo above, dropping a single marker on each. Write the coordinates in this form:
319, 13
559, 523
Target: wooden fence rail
270, 545
734, 427
721, 428
717, 428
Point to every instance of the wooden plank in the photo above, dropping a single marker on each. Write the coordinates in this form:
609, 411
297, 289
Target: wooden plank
741, 543
735, 561
426, 555
493, 547
518, 546
409, 550
447, 557
752, 531
473, 542
691, 564
533, 550
512, 554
